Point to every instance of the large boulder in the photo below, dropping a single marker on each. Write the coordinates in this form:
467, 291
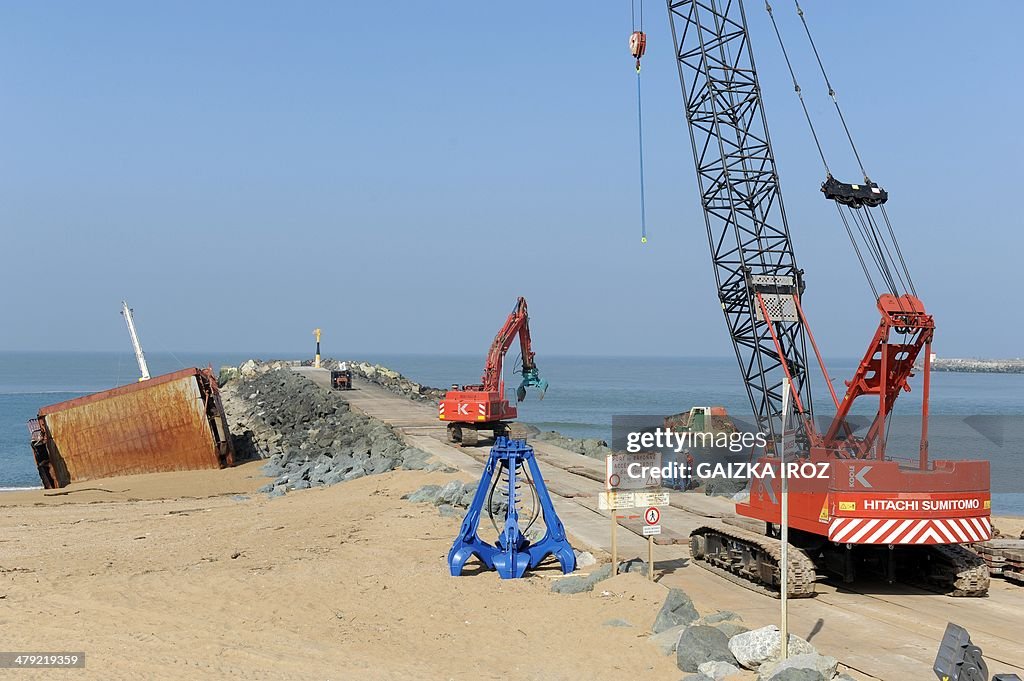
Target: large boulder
633, 565
822, 665
677, 609
701, 644
754, 648
731, 629
585, 559
718, 670
249, 368
668, 639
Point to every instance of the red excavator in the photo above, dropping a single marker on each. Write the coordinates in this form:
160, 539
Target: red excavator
469, 409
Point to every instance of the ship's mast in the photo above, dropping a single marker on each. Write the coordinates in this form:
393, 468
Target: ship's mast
140, 357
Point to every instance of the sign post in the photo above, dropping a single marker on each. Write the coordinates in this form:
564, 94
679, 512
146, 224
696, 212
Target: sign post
620, 481
784, 521
652, 516
612, 501
615, 543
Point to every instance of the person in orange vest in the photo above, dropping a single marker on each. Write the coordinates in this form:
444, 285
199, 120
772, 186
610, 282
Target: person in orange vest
690, 482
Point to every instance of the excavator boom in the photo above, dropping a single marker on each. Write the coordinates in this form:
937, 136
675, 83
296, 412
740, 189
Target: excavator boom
517, 324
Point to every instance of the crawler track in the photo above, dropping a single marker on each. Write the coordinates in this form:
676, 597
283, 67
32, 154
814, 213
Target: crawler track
953, 570
751, 560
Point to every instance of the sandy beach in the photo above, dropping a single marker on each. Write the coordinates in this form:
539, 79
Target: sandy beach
189, 575
200, 575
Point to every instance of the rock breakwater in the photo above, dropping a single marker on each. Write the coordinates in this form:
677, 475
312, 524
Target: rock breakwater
310, 436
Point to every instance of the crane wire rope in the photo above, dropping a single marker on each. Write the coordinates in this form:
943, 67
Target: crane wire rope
909, 283
796, 88
868, 228
831, 90
638, 27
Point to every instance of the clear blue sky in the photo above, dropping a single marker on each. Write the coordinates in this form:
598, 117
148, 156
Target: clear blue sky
397, 173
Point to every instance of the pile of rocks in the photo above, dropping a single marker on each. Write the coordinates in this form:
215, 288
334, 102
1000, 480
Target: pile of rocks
309, 434
450, 498
718, 646
390, 380
250, 368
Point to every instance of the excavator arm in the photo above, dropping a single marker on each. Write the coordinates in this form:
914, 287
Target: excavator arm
517, 324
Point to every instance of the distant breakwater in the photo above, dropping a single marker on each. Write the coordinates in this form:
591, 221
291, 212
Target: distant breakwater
980, 366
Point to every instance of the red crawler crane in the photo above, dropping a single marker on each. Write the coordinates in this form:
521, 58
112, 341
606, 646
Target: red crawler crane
482, 406
869, 512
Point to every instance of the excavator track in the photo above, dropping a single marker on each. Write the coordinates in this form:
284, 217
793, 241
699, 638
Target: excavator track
953, 570
751, 560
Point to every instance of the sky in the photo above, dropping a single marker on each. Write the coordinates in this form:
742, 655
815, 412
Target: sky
398, 173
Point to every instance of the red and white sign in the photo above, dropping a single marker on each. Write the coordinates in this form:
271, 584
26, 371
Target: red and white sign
909, 531
652, 516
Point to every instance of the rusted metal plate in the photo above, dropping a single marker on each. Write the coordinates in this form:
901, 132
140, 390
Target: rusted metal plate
168, 423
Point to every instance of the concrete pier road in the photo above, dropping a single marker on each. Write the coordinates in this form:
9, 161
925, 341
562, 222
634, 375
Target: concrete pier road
889, 632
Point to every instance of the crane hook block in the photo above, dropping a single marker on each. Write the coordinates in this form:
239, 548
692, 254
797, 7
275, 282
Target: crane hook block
512, 553
637, 44
854, 195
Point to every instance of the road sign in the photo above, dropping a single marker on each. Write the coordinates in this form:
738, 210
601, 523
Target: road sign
608, 501
652, 516
651, 499
651, 530
627, 471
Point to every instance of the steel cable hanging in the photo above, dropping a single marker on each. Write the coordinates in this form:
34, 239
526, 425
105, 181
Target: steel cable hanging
908, 283
640, 135
796, 88
894, 273
831, 90
638, 52
899, 251
856, 248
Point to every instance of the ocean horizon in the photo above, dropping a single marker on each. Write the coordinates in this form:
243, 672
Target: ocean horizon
973, 415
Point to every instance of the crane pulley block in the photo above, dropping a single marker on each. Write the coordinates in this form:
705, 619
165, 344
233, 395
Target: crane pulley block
854, 195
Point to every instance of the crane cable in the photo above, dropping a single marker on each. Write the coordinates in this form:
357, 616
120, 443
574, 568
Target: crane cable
909, 283
867, 226
796, 88
831, 90
637, 45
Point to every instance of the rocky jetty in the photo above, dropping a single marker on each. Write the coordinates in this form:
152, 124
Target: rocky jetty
980, 366
310, 436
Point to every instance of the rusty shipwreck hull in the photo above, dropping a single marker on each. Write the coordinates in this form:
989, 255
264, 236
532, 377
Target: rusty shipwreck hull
171, 422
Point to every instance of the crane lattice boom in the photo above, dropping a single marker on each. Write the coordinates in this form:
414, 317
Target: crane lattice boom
744, 215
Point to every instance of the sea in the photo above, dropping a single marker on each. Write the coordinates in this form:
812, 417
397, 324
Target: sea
972, 415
